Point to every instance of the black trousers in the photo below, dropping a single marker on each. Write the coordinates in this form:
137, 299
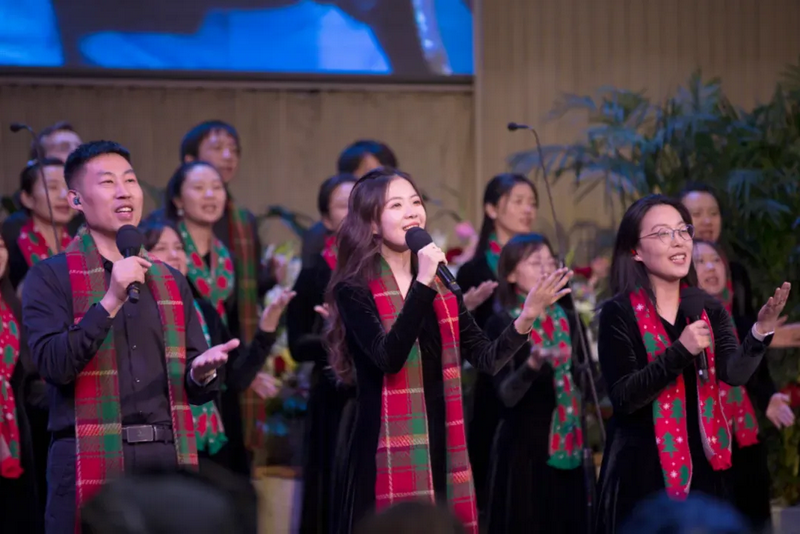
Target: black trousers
61, 505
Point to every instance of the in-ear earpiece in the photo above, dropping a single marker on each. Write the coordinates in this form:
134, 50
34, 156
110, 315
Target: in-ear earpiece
77, 201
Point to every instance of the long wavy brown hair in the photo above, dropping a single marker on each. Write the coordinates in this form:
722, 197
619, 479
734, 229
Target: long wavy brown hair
359, 249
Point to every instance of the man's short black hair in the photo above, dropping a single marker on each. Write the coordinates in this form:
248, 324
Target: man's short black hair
29, 175
60, 126
190, 145
87, 152
352, 156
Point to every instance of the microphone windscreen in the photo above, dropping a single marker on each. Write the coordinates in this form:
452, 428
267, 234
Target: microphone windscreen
129, 240
693, 301
417, 238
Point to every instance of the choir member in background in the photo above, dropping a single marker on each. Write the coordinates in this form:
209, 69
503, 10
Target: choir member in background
57, 142
121, 374
536, 481
21, 510
357, 159
752, 485
218, 424
396, 334
304, 324
669, 431
510, 205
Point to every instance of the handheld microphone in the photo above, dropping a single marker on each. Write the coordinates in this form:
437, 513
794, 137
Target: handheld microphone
129, 243
692, 305
17, 127
417, 239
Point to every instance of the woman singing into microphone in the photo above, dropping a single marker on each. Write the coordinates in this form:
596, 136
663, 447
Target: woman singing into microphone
397, 334
668, 429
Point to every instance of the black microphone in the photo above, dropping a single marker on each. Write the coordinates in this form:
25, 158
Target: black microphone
417, 239
693, 302
129, 243
514, 126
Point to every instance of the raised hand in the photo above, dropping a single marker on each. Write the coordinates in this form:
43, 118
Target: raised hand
696, 337
271, 315
204, 365
768, 315
547, 290
478, 295
323, 310
429, 256
265, 385
779, 412
124, 273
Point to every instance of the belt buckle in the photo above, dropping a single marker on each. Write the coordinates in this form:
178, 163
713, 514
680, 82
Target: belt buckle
141, 434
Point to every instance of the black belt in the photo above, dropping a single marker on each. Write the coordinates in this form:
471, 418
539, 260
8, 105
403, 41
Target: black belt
131, 434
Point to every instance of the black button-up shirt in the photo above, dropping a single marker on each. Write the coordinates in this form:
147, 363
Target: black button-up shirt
61, 349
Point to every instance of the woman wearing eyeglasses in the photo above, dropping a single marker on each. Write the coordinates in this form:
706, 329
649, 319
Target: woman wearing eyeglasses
668, 432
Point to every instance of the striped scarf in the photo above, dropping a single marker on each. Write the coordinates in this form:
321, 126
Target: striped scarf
209, 430
669, 416
214, 283
737, 405
566, 434
403, 457
10, 462
98, 427
33, 245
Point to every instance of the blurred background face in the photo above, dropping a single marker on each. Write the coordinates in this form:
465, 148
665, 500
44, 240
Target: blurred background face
110, 194
705, 214
515, 212
60, 144
54, 185
203, 196
3, 258
337, 209
222, 151
532, 268
712, 276
169, 249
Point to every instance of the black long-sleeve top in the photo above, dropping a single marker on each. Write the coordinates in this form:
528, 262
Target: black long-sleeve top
376, 352
631, 468
60, 348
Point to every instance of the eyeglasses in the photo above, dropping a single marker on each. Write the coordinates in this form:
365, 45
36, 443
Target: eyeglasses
667, 235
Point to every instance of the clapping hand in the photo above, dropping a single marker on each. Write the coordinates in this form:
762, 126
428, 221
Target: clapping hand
547, 291
779, 412
478, 295
769, 314
272, 313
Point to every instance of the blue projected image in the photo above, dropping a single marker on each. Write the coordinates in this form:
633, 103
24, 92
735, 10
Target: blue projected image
418, 38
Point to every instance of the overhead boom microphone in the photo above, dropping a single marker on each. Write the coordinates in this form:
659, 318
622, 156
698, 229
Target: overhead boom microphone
417, 239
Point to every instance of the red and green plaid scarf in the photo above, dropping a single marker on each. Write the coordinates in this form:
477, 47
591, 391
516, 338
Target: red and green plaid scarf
329, 251
737, 405
10, 463
493, 252
566, 435
33, 245
672, 439
98, 426
208, 427
254, 409
403, 457
215, 283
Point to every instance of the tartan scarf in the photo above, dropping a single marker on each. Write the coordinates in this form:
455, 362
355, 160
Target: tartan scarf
98, 426
403, 458
10, 462
254, 409
33, 245
737, 405
566, 434
209, 430
669, 417
329, 251
493, 253
215, 283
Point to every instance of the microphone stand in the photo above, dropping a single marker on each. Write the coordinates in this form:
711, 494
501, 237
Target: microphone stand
16, 127
581, 364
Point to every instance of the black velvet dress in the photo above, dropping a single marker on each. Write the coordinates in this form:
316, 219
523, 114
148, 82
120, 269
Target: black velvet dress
631, 468
326, 399
752, 486
484, 406
376, 352
525, 494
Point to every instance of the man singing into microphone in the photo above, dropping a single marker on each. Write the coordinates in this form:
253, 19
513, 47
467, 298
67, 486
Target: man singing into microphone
120, 374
